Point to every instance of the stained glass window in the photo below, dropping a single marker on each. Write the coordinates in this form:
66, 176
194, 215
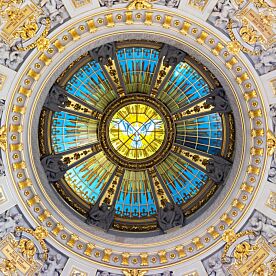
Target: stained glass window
70, 131
203, 133
135, 197
90, 85
136, 131
184, 86
137, 66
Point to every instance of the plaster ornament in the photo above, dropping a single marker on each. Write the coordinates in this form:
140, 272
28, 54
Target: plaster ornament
263, 226
272, 172
266, 61
272, 114
2, 107
10, 56
53, 266
8, 222
271, 201
199, 4
109, 3
105, 273
215, 266
2, 168
53, 9
222, 13
171, 3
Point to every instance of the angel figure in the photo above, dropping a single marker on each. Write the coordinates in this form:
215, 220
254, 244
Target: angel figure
101, 216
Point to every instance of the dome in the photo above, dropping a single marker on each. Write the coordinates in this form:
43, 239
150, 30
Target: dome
137, 137
136, 126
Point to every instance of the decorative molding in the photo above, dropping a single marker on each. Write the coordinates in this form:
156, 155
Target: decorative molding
2, 195
26, 26
271, 201
77, 272
250, 30
2, 81
80, 3
198, 4
3, 138
247, 252
134, 272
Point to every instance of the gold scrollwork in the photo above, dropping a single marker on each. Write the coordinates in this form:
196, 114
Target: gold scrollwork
19, 255
271, 142
3, 138
140, 5
134, 272
42, 43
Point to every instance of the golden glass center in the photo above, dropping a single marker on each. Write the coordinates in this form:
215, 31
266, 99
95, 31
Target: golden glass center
136, 131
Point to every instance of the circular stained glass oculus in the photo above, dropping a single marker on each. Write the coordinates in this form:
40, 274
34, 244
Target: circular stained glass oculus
136, 131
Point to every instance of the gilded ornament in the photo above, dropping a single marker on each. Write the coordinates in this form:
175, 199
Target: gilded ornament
40, 233
198, 4
3, 138
29, 29
23, 22
42, 44
140, 5
229, 236
27, 249
242, 252
234, 47
248, 33
260, 3
22, 250
271, 142
134, 272
8, 267
271, 201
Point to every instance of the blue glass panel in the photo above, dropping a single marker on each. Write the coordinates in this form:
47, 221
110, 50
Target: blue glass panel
137, 66
203, 133
90, 85
183, 180
70, 131
89, 178
184, 86
135, 199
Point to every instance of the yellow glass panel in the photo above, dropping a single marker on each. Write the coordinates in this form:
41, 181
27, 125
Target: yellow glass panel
136, 131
